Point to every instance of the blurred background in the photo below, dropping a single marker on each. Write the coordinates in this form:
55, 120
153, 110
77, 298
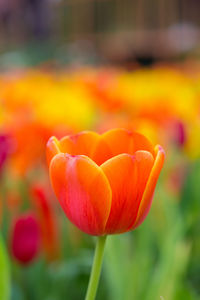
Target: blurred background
73, 65
88, 31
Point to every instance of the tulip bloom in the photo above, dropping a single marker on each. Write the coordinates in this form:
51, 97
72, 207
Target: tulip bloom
104, 183
25, 238
47, 218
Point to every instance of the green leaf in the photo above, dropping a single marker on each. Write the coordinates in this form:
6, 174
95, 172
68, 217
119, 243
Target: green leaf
4, 273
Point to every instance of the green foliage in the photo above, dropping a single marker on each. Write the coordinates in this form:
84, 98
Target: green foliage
160, 258
5, 273
153, 260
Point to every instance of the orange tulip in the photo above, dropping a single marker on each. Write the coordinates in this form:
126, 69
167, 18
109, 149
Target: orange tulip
104, 183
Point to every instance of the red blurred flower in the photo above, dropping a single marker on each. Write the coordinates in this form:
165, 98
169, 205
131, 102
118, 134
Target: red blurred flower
47, 220
105, 183
25, 238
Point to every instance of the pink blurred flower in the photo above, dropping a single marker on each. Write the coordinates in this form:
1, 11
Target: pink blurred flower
5, 149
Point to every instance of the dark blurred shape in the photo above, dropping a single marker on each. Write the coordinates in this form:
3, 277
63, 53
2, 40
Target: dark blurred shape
145, 60
24, 19
37, 15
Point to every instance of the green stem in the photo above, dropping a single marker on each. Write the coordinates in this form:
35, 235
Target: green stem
96, 268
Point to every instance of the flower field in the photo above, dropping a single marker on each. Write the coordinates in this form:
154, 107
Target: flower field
45, 257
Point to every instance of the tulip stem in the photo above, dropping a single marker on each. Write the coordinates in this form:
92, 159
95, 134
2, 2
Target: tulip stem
96, 268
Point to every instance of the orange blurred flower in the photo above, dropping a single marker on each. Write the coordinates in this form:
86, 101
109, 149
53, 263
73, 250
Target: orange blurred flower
105, 183
30, 138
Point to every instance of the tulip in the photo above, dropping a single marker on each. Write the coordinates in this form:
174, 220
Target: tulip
104, 183
25, 238
5, 149
47, 220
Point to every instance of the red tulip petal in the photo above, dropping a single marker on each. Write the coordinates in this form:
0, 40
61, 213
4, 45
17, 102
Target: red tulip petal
127, 175
83, 191
53, 148
118, 141
150, 187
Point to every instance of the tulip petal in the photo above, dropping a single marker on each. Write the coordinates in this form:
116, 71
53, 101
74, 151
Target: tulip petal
150, 187
127, 175
83, 191
140, 142
53, 148
118, 141
80, 144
